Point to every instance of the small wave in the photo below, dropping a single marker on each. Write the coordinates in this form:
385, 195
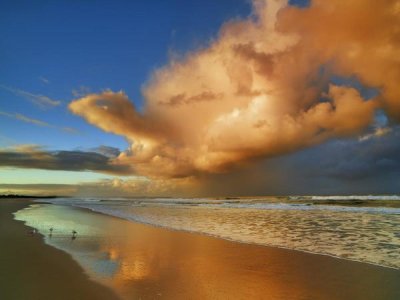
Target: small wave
307, 206
232, 204
357, 197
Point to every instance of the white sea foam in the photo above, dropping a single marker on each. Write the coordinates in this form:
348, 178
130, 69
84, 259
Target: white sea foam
368, 234
357, 197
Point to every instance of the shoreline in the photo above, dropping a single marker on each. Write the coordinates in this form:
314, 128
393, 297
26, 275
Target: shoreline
232, 240
32, 269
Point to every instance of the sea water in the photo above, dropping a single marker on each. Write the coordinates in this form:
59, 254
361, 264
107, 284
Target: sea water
365, 229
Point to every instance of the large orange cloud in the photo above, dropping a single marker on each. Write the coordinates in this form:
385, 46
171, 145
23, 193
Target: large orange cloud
359, 37
257, 91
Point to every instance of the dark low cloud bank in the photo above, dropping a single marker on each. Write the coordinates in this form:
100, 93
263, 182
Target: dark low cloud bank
365, 166
100, 160
107, 151
355, 161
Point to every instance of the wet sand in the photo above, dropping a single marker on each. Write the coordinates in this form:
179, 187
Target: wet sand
30, 269
144, 262
179, 265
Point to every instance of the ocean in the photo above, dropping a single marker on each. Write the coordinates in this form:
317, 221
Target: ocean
359, 228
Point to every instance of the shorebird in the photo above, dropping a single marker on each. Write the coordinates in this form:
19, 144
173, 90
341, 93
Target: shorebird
74, 233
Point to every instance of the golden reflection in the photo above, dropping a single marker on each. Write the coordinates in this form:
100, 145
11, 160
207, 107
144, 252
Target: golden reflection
178, 265
134, 270
113, 253
131, 267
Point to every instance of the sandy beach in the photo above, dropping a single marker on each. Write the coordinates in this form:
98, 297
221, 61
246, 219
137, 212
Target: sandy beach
30, 269
144, 262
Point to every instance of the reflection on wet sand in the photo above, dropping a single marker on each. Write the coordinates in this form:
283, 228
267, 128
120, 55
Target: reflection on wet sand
140, 261
174, 267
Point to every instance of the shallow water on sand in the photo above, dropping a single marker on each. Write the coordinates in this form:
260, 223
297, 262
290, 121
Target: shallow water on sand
360, 233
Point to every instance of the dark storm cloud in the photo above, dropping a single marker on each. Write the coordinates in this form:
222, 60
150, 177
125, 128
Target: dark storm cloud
35, 158
357, 160
107, 151
364, 166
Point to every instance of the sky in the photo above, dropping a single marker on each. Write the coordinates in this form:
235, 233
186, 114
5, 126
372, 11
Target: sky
199, 98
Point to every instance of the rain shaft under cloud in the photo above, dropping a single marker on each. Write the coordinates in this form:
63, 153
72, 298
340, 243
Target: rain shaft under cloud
260, 89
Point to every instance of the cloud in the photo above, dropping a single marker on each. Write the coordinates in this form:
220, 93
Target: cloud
34, 157
23, 118
140, 186
345, 166
379, 131
359, 38
39, 100
81, 91
44, 80
260, 90
113, 187
374, 157
107, 151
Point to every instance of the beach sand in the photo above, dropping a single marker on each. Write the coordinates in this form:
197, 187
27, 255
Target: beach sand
32, 270
145, 262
